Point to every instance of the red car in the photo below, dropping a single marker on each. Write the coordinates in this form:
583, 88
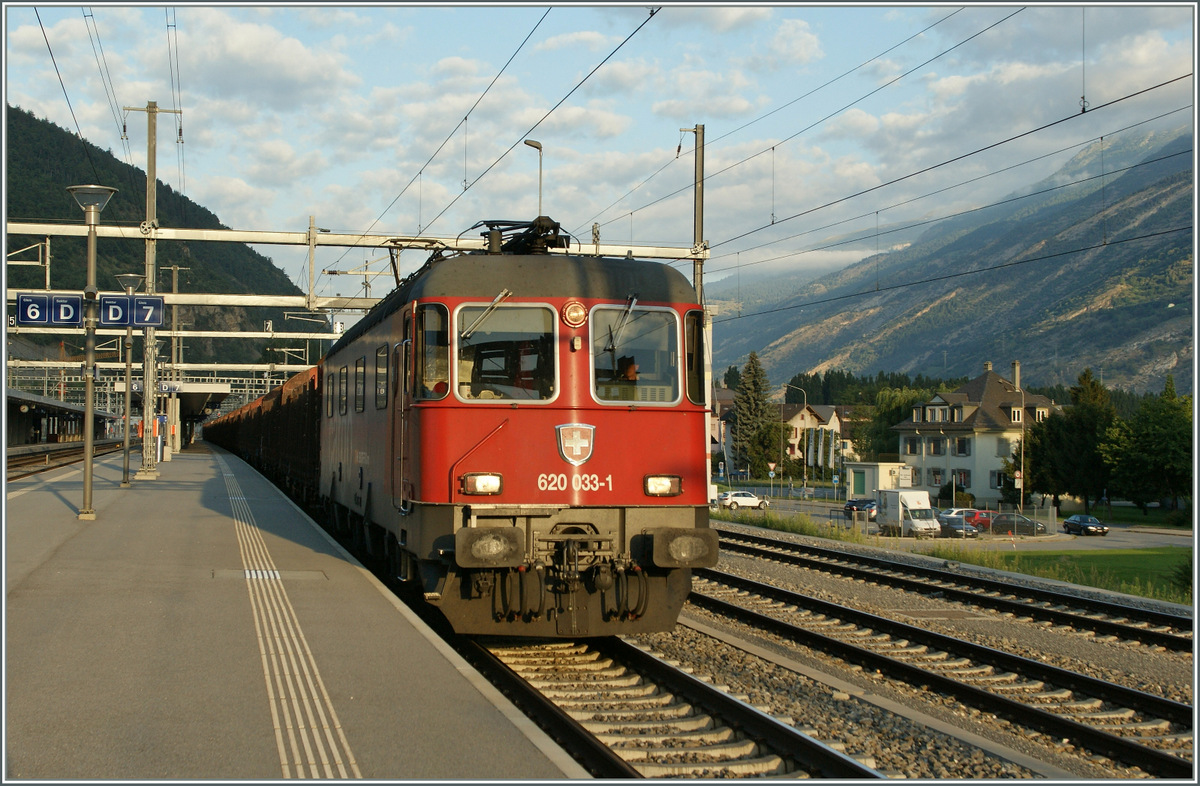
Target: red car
981, 520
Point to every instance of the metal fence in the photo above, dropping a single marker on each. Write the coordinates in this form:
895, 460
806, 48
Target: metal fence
821, 505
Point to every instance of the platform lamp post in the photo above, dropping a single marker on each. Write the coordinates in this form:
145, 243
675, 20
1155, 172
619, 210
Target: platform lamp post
538, 147
92, 199
130, 283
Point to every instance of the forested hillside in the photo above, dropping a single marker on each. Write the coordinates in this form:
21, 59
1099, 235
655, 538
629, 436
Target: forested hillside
43, 159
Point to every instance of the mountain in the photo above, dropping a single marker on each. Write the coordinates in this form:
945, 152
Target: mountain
43, 159
1096, 275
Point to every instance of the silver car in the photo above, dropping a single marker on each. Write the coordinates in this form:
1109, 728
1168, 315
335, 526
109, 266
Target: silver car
741, 499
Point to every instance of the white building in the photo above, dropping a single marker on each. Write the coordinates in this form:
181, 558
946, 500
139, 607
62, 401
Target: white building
865, 479
968, 434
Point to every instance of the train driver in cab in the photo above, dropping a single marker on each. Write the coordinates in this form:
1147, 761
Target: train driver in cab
627, 370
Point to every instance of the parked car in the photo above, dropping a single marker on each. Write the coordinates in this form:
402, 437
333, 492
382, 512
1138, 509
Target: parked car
963, 513
1080, 524
981, 519
741, 499
954, 527
868, 506
1004, 523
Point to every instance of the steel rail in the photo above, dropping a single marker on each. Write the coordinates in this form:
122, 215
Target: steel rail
1163, 639
1155, 762
593, 755
32, 462
809, 752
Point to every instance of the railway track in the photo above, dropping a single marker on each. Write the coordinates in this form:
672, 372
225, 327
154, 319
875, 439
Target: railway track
656, 720
24, 464
1122, 724
607, 708
1126, 623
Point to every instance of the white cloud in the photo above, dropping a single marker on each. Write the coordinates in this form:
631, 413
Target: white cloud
224, 57
795, 43
277, 163
851, 123
727, 19
584, 39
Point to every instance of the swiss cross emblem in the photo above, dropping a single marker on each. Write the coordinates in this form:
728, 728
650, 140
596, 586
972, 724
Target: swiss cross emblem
575, 442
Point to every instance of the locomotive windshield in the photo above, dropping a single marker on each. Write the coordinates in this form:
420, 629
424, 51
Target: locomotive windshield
635, 354
506, 352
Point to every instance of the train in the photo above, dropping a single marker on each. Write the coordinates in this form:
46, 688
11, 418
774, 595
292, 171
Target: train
518, 431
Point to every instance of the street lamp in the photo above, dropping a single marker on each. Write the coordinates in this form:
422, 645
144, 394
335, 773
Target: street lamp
130, 283
538, 146
92, 199
1021, 488
804, 413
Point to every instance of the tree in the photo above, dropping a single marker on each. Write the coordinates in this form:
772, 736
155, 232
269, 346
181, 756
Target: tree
749, 410
962, 498
1089, 418
766, 447
1064, 450
1150, 456
892, 406
733, 378
1009, 494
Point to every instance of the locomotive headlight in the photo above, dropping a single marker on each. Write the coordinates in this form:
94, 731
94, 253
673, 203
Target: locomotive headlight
663, 485
481, 483
574, 314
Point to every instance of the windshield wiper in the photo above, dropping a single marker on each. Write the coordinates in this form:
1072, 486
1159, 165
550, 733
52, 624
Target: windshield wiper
487, 312
614, 340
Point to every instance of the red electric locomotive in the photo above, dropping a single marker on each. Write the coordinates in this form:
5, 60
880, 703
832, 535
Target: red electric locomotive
523, 431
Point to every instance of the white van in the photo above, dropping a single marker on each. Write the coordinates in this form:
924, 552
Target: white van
906, 513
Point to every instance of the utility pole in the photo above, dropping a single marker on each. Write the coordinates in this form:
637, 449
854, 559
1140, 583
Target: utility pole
699, 249
149, 470
173, 425
698, 244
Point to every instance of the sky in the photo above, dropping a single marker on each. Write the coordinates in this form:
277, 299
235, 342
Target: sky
821, 124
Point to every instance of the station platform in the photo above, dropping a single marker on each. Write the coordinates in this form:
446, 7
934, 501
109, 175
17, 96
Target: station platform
203, 628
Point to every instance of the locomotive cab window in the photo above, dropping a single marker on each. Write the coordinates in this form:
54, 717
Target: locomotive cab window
506, 352
694, 343
635, 354
433, 352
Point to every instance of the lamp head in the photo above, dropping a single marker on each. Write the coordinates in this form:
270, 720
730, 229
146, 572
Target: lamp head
92, 196
130, 281
535, 145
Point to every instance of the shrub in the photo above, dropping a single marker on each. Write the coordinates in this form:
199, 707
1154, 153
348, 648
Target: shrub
1178, 518
1181, 577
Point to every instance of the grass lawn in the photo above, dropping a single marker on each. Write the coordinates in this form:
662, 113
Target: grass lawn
1144, 572
1127, 514
1163, 573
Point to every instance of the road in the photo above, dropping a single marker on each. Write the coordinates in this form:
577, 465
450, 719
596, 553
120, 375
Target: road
1120, 536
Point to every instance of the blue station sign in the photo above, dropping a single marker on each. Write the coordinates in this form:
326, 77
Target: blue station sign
58, 310
131, 311
67, 310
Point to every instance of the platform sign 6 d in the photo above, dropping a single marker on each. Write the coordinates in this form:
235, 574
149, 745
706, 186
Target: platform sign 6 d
131, 311
61, 310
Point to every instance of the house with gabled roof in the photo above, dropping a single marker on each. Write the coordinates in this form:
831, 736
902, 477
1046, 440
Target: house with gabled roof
969, 433
798, 420
801, 419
